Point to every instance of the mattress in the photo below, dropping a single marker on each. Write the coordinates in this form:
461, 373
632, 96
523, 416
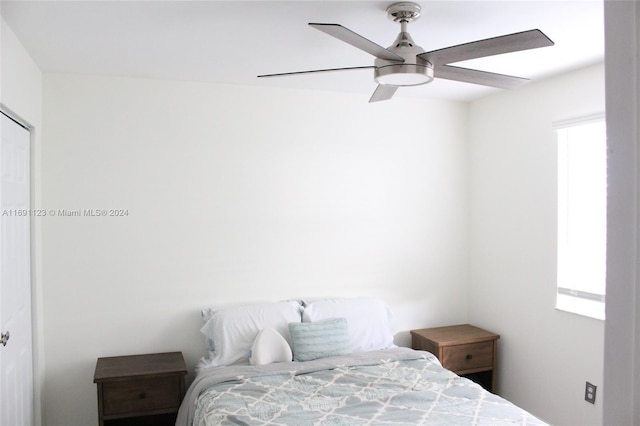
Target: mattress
397, 386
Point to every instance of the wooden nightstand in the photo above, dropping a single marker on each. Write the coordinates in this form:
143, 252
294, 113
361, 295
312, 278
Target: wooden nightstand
464, 349
140, 389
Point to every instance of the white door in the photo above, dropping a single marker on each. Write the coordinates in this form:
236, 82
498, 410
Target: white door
16, 365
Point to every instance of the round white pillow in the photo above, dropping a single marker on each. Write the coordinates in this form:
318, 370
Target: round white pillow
269, 347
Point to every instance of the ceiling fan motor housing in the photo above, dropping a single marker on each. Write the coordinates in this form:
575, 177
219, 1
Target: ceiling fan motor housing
414, 71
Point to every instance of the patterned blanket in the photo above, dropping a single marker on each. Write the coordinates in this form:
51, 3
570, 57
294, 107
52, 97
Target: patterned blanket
392, 387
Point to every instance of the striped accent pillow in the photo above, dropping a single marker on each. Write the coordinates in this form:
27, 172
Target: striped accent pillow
313, 340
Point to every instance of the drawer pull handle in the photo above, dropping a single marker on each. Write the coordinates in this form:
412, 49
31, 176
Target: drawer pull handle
143, 395
468, 357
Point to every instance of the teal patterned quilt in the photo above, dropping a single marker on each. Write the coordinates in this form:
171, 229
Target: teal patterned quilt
396, 386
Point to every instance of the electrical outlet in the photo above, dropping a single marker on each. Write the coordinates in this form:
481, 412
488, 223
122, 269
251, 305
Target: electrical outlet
590, 393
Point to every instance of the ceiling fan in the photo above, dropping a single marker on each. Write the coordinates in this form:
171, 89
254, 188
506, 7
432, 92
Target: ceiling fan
404, 63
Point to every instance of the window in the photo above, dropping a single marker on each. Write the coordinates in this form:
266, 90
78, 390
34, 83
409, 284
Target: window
582, 217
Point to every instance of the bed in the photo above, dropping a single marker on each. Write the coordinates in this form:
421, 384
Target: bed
328, 362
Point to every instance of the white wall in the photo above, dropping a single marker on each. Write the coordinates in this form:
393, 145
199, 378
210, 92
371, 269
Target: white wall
237, 194
545, 355
21, 93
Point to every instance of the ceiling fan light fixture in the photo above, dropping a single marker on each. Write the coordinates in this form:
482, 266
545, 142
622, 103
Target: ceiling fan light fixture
404, 74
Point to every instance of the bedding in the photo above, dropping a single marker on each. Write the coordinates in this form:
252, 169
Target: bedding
269, 347
232, 331
396, 386
207, 314
369, 320
313, 340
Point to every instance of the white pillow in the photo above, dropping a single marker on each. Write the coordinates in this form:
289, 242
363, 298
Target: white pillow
369, 320
233, 330
270, 347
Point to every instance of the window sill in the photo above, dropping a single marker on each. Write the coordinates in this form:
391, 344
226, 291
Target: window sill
588, 308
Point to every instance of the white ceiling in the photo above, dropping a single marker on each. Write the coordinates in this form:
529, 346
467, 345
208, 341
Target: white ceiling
234, 41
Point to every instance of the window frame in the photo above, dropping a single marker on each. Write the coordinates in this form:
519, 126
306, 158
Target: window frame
572, 298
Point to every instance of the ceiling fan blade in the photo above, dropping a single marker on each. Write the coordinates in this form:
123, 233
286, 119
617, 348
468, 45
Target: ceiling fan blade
315, 71
479, 77
383, 93
356, 40
525, 40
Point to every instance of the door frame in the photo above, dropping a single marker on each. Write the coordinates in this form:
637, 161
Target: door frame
37, 339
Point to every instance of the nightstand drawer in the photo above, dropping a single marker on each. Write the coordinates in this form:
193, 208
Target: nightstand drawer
471, 356
142, 395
